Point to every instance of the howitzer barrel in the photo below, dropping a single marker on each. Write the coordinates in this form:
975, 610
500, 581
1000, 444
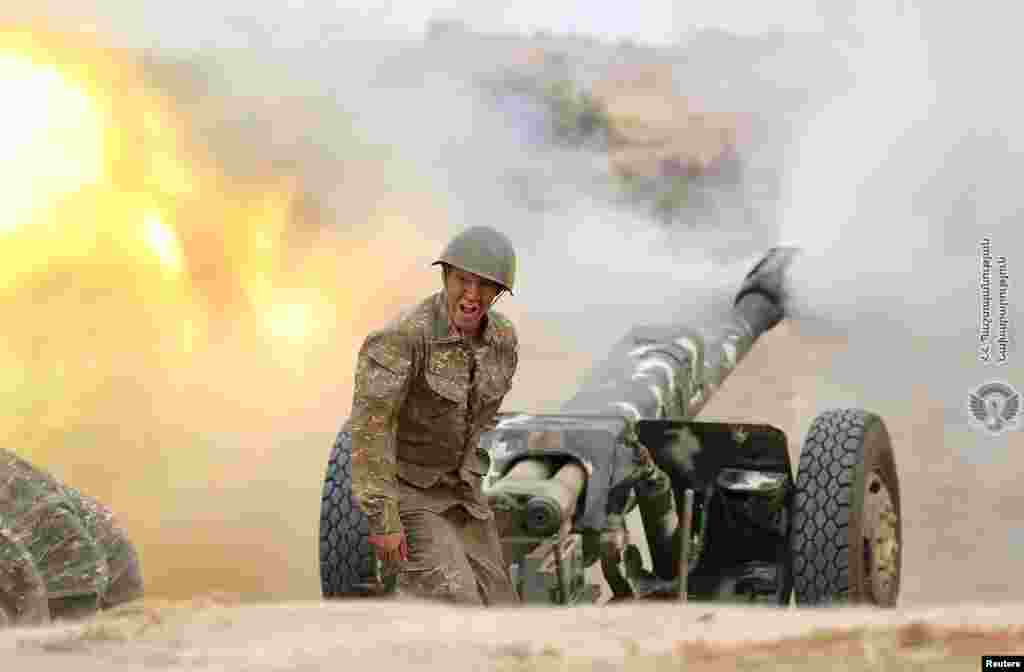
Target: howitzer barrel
546, 512
672, 372
664, 373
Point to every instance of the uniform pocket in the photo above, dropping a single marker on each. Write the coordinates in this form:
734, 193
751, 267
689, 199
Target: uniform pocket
380, 371
495, 377
447, 388
448, 395
387, 357
415, 475
494, 388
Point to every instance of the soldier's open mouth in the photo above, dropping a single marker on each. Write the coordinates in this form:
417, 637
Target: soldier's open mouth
469, 311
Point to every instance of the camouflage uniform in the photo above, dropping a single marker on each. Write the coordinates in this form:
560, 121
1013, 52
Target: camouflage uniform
83, 558
423, 395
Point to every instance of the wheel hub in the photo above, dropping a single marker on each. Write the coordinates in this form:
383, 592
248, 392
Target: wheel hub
881, 542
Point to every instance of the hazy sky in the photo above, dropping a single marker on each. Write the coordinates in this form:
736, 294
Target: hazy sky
186, 22
653, 20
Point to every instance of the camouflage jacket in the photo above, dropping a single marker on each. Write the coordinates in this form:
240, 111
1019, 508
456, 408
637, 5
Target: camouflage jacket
422, 398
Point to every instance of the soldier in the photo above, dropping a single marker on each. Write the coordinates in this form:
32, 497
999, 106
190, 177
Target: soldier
426, 387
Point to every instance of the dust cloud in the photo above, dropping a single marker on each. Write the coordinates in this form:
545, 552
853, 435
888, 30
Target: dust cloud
893, 163
890, 189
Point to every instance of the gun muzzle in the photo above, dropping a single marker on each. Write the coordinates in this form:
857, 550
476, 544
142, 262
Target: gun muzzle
546, 512
546, 498
671, 372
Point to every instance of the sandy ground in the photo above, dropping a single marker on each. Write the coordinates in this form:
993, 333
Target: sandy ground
301, 636
961, 597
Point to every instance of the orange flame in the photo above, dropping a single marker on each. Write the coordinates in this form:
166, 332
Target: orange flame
160, 322
105, 183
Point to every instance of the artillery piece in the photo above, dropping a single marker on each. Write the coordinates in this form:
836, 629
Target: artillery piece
724, 516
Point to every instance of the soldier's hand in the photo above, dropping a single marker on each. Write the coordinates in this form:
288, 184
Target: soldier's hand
390, 547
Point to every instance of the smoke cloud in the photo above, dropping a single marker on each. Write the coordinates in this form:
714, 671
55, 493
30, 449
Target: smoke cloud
890, 189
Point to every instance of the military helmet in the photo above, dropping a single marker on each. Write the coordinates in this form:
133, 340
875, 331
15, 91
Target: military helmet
483, 251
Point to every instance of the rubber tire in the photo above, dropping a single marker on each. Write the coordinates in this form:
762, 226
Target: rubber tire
348, 563
842, 447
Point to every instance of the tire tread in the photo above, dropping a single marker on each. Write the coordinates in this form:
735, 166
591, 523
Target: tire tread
822, 505
346, 558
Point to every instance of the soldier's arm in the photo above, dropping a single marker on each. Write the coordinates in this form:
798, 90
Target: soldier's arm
383, 375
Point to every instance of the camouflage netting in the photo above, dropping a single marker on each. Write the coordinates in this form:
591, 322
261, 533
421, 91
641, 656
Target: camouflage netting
62, 554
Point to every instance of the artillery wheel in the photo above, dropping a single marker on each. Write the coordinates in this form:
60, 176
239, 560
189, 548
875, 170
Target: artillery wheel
348, 564
22, 589
846, 526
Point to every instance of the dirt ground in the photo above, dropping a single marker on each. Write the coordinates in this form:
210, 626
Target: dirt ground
209, 635
961, 597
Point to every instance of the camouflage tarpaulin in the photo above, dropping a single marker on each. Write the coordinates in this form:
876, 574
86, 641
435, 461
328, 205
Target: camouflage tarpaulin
22, 591
83, 557
122, 561
45, 521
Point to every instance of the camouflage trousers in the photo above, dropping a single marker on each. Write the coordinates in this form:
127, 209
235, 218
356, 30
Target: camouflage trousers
454, 557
